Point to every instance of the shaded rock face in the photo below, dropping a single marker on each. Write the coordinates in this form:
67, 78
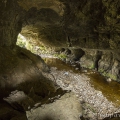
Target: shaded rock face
106, 62
10, 22
79, 23
22, 71
89, 59
7, 113
109, 66
19, 65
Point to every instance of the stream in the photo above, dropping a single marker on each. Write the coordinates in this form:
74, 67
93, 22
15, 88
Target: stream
101, 97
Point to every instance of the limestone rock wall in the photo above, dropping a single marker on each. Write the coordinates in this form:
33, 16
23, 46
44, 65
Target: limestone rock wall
10, 22
106, 62
78, 23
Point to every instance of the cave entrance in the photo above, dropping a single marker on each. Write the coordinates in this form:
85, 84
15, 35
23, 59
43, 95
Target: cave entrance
31, 45
21, 41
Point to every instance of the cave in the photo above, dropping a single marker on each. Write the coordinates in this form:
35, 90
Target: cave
59, 59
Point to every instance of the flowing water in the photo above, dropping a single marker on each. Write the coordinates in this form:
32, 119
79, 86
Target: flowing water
110, 90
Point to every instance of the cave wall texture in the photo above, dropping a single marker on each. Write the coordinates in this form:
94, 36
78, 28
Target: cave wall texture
84, 23
93, 25
10, 22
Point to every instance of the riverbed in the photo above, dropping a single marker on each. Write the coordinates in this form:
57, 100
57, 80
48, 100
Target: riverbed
99, 97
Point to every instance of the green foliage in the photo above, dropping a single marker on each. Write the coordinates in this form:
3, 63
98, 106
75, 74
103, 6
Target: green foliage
42, 48
20, 42
31, 46
92, 66
61, 56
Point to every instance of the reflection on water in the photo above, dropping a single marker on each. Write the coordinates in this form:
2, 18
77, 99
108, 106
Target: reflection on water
109, 89
53, 62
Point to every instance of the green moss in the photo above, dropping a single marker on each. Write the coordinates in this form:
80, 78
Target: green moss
42, 48
20, 42
101, 70
92, 66
107, 74
61, 56
32, 46
111, 76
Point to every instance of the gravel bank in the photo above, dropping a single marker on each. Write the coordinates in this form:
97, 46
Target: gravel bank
95, 105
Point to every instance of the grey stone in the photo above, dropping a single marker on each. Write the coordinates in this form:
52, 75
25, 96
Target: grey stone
67, 107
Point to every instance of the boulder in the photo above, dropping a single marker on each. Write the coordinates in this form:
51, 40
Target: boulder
67, 107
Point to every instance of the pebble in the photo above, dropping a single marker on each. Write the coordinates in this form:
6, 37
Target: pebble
66, 73
81, 86
109, 80
76, 68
